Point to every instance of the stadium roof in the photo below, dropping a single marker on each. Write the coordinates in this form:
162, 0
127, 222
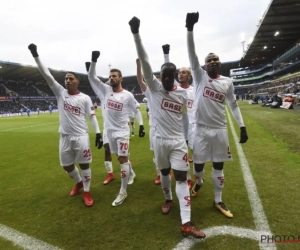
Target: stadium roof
278, 30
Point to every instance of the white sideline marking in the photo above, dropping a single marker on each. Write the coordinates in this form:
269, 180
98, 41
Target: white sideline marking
10, 129
260, 219
259, 216
24, 240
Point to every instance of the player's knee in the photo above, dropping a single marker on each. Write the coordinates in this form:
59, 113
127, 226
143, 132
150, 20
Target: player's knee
84, 166
198, 167
180, 175
69, 168
122, 159
218, 165
165, 171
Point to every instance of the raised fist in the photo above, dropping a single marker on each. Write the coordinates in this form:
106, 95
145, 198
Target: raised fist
134, 25
191, 19
33, 49
95, 56
87, 66
166, 48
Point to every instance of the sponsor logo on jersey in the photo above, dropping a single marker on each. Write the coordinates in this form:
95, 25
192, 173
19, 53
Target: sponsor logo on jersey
72, 109
171, 106
190, 103
214, 95
114, 105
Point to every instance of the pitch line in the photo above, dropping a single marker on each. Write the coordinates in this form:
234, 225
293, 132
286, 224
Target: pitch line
258, 212
23, 240
11, 129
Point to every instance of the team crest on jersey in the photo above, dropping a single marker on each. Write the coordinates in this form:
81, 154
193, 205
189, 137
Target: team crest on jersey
72, 109
171, 106
190, 103
114, 105
214, 95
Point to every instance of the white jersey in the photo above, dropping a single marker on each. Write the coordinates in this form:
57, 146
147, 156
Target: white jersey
210, 94
167, 108
118, 106
190, 103
148, 104
72, 108
72, 111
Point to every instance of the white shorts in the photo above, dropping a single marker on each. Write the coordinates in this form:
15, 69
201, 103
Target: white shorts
211, 144
151, 135
170, 153
74, 149
118, 142
105, 140
191, 135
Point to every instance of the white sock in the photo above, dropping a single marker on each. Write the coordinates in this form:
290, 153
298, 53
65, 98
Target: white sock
166, 186
75, 175
109, 167
86, 176
199, 177
125, 173
157, 170
218, 180
183, 195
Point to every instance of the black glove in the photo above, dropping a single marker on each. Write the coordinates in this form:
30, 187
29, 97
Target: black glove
166, 49
142, 131
87, 66
244, 136
187, 142
134, 25
147, 109
191, 19
33, 49
99, 141
95, 56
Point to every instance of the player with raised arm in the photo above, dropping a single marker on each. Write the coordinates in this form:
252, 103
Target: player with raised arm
212, 90
170, 128
184, 77
146, 92
107, 154
118, 104
74, 142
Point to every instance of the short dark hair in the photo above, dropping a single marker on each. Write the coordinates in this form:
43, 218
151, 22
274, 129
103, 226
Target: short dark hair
74, 74
168, 64
117, 70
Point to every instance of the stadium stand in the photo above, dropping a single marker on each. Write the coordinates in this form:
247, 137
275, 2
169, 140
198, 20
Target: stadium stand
270, 67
